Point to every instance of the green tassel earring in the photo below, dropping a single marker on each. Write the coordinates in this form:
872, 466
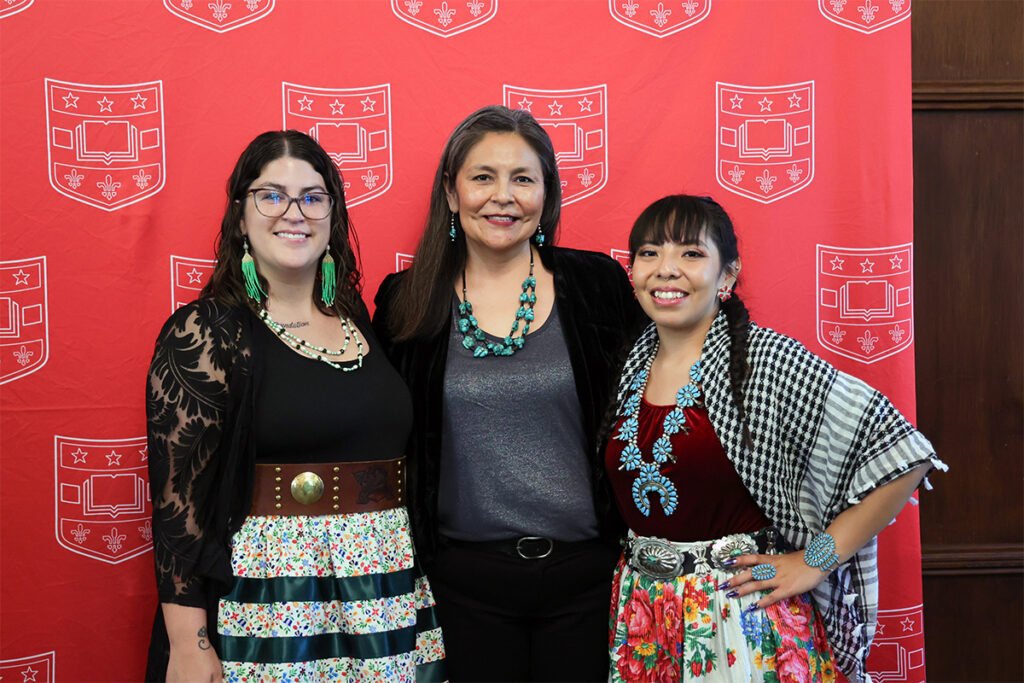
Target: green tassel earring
252, 280
327, 278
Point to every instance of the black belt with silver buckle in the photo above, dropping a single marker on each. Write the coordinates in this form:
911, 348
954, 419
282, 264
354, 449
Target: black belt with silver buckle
524, 547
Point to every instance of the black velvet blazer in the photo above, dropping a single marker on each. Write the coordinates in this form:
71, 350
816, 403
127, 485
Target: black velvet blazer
599, 316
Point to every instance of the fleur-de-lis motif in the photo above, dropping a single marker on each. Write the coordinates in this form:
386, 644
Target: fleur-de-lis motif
737, 173
690, 7
413, 6
838, 5
114, 540
80, 533
146, 531
897, 5
867, 11
586, 177
444, 15
23, 355
661, 14
370, 179
220, 9
252, 5
475, 8
897, 333
794, 173
837, 335
74, 178
867, 341
630, 8
141, 178
766, 181
186, 4
108, 187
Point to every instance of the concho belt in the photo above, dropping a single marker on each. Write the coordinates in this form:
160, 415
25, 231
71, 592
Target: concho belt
662, 559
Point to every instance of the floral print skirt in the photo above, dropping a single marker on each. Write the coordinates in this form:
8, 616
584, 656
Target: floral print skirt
328, 598
683, 629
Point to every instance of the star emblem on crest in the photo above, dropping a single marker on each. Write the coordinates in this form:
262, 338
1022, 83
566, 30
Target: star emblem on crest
794, 100
867, 266
556, 108
585, 104
194, 276
70, 100
28, 674
79, 456
837, 263
896, 262
105, 104
139, 101
144, 452
337, 107
879, 628
737, 101
766, 104
113, 458
21, 277
305, 104
525, 104
908, 624
368, 103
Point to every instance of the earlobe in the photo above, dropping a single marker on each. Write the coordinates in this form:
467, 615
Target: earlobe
451, 195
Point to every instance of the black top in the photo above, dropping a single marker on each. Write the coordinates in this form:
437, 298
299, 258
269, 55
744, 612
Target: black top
307, 411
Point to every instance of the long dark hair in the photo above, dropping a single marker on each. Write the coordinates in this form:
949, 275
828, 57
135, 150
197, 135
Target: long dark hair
422, 301
683, 219
226, 283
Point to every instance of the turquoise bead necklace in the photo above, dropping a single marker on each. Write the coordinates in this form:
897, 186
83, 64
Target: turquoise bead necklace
475, 339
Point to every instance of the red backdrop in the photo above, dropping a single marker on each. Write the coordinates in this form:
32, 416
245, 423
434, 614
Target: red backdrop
120, 121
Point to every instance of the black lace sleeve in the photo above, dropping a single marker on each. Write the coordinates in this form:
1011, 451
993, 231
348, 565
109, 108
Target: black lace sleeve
187, 399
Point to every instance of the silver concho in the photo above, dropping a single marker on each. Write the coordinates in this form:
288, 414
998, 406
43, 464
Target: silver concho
657, 558
731, 546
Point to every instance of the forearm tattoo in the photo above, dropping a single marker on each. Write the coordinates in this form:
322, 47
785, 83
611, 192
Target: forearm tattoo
203, 642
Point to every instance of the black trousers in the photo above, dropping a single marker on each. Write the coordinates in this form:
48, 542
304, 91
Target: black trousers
506, 618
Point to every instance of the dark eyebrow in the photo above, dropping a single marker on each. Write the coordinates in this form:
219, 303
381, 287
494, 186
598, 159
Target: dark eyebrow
276, 186
489, 169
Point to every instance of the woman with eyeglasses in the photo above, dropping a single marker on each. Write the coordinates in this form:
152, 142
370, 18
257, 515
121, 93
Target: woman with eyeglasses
508, 344
276, 437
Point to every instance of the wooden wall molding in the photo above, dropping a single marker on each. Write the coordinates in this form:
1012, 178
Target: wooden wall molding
955, 560
968, 95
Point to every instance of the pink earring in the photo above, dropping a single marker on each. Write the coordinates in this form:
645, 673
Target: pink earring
724, 293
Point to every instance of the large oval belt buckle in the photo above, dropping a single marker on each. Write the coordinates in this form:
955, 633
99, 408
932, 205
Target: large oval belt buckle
658, 559
729, 547
307, 488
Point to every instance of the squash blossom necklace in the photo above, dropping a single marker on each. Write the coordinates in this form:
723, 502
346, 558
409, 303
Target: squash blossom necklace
649, 477
476, 339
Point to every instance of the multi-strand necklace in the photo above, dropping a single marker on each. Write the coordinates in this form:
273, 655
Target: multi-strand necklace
319, 352
474, 338
649, 477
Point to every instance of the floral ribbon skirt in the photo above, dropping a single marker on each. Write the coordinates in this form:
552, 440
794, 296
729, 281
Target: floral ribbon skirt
328, 598
683, 629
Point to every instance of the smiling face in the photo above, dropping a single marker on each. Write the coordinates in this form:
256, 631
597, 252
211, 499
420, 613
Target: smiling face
498, 193
290, 246
677, 284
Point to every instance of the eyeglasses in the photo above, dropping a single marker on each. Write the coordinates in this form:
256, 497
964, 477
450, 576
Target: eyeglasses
274, 203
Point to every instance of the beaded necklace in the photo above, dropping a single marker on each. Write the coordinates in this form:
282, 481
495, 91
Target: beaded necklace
476, 339
319, 352
649, 477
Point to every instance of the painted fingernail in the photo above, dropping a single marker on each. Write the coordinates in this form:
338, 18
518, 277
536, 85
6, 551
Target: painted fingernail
730, 562
752, 607
724, 584
732, 594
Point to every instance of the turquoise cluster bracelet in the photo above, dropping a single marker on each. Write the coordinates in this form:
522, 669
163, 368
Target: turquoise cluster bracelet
821, 552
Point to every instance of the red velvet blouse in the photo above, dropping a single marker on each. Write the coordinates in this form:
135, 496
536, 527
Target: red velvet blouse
713, 502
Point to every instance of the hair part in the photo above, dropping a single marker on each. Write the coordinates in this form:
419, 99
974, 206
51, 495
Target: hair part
422, 301
226, 283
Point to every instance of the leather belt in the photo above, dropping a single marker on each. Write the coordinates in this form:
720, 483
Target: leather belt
329, 488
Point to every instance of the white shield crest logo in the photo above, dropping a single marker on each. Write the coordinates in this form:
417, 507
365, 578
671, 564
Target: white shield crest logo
622, 256
659, 18
897, 651
220, 15
103, 509
765, 146
865, 300
354, 126
105, 142
866, 16
32, 669
9, 7
445, 17
188, 277
24, 337
577, 121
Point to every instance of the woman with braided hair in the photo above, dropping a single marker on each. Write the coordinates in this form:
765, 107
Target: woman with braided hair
753, 475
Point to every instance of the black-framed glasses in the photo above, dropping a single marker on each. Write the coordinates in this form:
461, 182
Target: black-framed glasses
314, 206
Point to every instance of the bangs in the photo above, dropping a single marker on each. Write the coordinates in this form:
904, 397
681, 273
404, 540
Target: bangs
680, 219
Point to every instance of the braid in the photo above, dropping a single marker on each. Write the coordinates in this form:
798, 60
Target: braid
739, 330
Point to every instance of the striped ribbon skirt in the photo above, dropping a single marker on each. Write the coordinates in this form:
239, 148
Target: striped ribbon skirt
329, 598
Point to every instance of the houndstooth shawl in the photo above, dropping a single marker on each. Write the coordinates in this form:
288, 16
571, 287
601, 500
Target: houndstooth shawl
821, 441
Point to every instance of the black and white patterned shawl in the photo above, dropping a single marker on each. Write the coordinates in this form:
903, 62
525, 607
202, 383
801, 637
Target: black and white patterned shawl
821, 441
